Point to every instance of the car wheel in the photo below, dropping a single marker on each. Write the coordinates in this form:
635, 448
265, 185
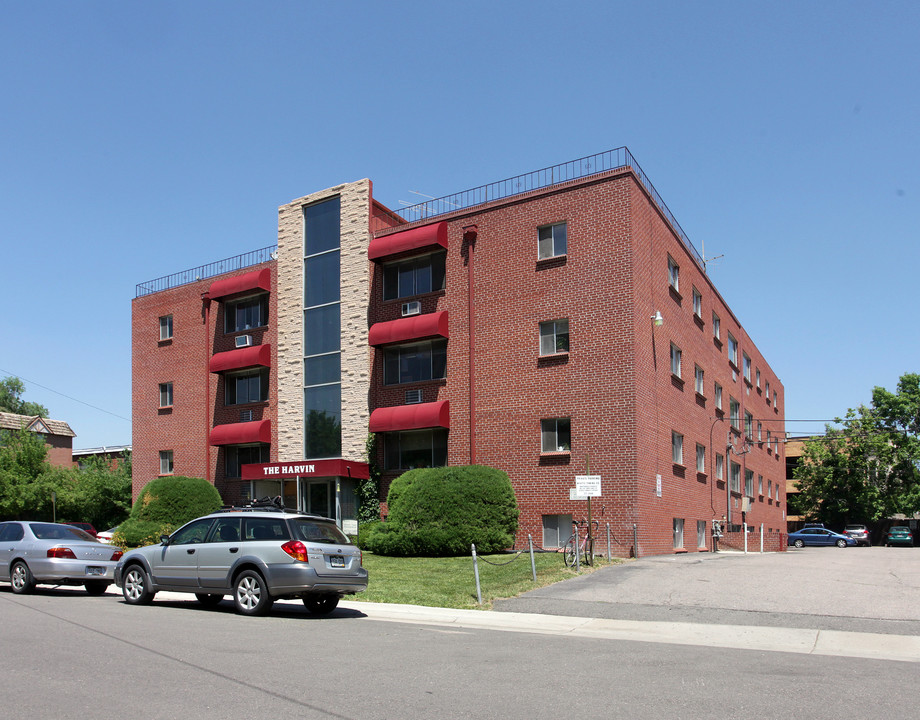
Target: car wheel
799, 543
96, 587
841, 543
136, 586
21, 578
250, 594
208, 599
320, 604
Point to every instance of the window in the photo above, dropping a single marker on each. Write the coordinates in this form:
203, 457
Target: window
246, 387
734, 413
774, 399
246, 314
697, 303
552, 241
166, 462
677, 448
678, 533
732, 350
768, 392
554, 337
556, 435
716, 327
770, 489
194, 532
759, 432
748, 425
735, 470
556, 530
747, 367
757, 374
701, 533
720, 467
675, 360
760, 484
769, 441
415, 363
415, 449
239, 455
673, 274
718, 396
700, 458
749, 483
699, 380
166, 395
166, 328
413, 277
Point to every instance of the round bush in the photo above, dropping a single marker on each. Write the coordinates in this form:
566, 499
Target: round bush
165, 504
441, 512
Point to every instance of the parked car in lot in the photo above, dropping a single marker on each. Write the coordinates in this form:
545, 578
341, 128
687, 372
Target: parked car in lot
859, 533
106, 535
33, 553
84, 526
899, 535
255, 554
819, 536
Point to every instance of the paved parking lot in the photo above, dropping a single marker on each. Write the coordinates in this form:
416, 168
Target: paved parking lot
857, 589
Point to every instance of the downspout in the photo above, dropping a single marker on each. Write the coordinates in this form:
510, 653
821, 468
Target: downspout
470, 233
206, 301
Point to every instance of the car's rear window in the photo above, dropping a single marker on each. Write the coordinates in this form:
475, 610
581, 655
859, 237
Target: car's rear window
50, 531
318, 532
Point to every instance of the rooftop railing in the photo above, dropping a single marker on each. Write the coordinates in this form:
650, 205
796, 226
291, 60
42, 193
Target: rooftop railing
202, 272
538, 179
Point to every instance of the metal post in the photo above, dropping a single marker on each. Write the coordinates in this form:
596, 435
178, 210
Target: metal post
635, 542
476, 571
577, 551
744, 530
761, 538
608, 542
533, 564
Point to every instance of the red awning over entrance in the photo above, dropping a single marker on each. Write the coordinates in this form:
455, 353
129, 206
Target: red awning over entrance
427, 236
417, 327
411, 417
242, 358
255, 280
258, 431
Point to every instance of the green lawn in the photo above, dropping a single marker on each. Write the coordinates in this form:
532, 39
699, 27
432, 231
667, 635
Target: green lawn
451, 582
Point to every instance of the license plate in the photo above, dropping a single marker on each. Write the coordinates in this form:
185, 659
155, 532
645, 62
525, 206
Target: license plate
93, 570
336, 561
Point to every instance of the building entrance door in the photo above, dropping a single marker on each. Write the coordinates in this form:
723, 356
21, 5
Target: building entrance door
318, 497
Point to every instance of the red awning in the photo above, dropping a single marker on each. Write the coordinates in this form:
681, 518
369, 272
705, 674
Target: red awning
414, 239
255, 280
417, 327
411, 417
242, 358
243, 432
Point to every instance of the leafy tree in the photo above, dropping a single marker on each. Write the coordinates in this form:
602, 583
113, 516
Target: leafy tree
166, 503
23, 458
869, 467
11, 390
368, 491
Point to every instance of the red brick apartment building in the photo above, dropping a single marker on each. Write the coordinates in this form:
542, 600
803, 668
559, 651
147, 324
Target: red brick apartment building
555, 324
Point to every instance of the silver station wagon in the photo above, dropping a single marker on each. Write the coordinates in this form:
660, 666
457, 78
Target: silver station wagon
256, 554
46, 553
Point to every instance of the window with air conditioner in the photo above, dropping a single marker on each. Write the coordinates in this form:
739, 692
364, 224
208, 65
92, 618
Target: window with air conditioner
417, 276
249, 386
246, 313
414, 307
243, 340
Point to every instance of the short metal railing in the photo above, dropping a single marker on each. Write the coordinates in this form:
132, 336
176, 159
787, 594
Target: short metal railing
538, 179
238, 262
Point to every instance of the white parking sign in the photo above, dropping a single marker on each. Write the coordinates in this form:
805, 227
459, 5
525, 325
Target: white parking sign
588, 485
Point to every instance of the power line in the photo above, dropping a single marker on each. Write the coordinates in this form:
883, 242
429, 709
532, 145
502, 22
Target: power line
31, 382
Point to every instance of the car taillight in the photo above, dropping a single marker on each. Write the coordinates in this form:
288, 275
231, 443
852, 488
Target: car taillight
61, 552
296, 550
117, 555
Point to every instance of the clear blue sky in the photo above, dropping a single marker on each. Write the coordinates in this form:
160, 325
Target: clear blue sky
139, 140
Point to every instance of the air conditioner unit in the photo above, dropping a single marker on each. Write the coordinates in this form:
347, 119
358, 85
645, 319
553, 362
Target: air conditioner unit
245, 415
413, 397
243, 340
411, 308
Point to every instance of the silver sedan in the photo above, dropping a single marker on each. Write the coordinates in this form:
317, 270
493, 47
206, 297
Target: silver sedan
54, 554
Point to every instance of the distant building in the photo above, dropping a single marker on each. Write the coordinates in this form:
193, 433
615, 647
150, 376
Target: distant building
57, 434
553, 325
113, 454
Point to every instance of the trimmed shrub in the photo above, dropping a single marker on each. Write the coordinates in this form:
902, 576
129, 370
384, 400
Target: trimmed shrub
441, 512
165, 504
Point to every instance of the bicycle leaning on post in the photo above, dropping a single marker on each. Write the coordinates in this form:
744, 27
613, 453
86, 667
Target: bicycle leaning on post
579, 548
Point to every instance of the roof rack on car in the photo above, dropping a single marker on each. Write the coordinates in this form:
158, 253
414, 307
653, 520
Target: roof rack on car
265, 504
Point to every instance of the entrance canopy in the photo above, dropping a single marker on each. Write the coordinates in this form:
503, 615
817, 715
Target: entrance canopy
306, 468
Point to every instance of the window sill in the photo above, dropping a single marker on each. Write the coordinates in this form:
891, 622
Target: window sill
554, 356
555, 453
675, 293
680, 551
552, 262
164, 341
699, 321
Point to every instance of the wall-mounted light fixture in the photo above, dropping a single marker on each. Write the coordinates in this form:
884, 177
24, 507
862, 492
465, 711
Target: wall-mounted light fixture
657, 320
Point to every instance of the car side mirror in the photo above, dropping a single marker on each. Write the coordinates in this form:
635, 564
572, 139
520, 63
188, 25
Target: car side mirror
164, 539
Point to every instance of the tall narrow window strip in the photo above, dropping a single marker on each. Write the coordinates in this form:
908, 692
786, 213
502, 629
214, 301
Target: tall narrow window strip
697, 303
700, 458
677, 448
675, 360
700, 380
716, 327
673, 274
